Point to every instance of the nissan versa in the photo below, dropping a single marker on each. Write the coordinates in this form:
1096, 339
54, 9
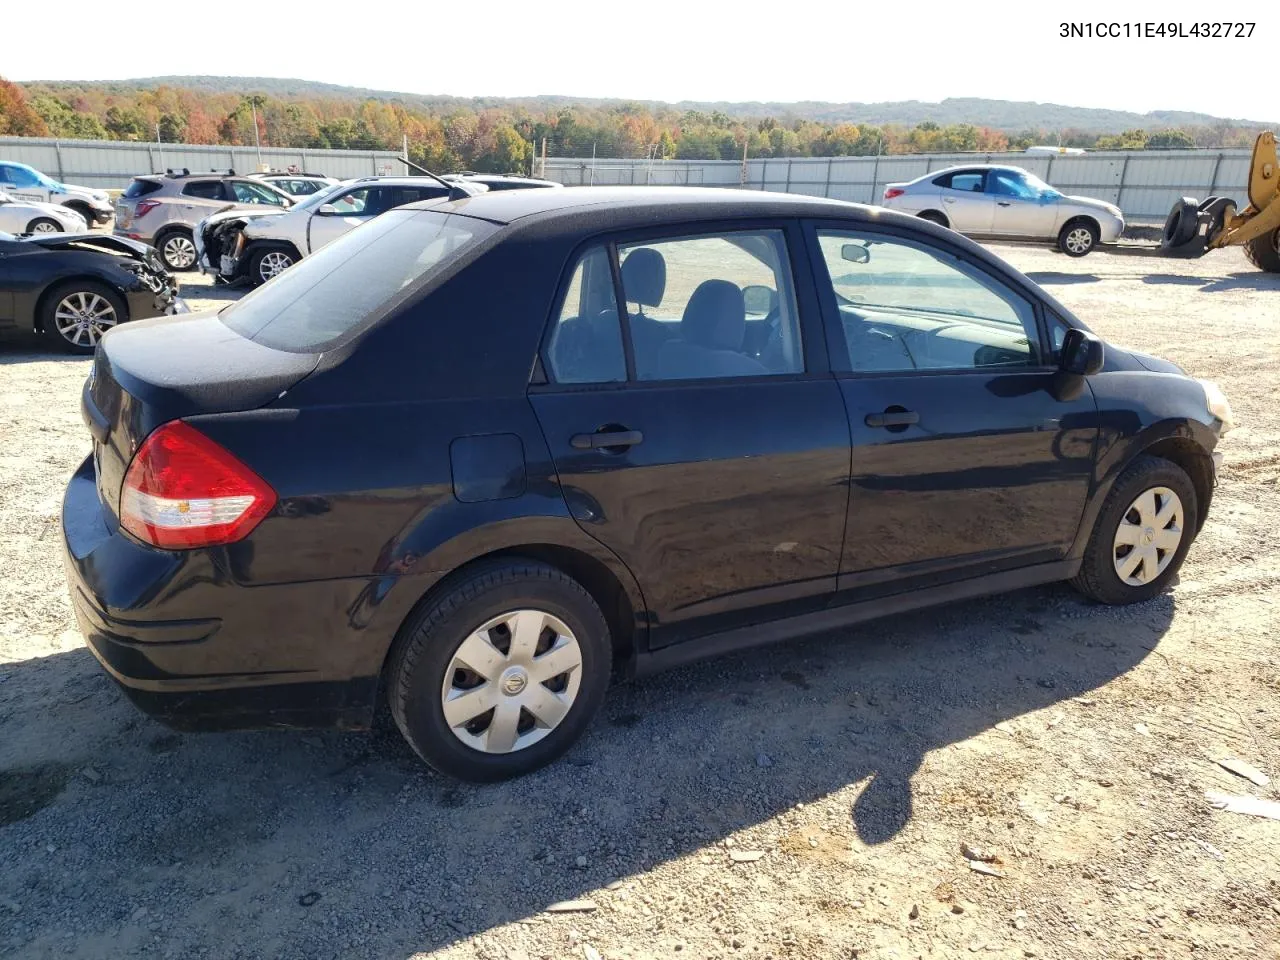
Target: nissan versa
475, 454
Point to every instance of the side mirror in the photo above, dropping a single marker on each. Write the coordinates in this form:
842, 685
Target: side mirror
327, 210
1082, 353
759, 299
856, 253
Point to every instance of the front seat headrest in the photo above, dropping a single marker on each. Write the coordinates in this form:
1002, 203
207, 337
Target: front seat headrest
716, 317
644, 277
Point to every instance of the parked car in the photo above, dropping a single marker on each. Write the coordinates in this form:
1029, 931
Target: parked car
163, 209
256, 248
460, 458
30, 216
27, 183
296, 185
500, 181
1007, 203
70, 289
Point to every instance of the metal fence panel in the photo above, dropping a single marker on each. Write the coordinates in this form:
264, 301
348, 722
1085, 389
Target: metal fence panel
1144, 184
109, 164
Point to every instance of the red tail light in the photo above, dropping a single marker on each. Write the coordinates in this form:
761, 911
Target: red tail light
144, 207
892, 192
182, 491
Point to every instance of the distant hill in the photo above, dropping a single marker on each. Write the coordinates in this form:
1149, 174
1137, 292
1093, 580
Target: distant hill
1004, 115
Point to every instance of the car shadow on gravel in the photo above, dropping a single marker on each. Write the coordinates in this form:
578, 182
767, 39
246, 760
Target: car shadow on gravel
330, 844
25, 351
1234, 281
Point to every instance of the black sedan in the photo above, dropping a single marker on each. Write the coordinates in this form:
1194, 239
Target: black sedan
71, 288
473, 455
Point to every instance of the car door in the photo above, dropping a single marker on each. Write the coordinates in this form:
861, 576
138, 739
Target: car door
1020, 209
200, 198
13, 215
8, 282
21, 184
710, 457
967, 457
342, 213
965, 202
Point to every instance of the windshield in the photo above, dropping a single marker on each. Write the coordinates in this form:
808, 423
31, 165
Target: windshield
329, 296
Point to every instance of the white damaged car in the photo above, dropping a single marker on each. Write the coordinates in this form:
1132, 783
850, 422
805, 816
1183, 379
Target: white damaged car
27, 216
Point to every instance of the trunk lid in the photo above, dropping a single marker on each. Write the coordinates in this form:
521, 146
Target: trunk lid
149, 372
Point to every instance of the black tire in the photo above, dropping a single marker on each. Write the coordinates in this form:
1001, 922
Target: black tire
1181, 224
39, 222
1264, 251
933, 216
1098, 578
428, 641
167, 253
255, 263
1069, 237
49, 308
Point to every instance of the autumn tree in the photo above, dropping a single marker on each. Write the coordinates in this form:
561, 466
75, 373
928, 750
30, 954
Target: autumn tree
17, 119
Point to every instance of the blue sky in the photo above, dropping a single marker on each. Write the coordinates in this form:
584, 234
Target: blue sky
838, 50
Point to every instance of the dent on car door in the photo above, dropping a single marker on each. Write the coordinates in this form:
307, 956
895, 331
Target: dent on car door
966, 459
699, 438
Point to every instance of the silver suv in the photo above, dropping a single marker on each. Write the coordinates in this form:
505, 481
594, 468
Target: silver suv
163, 209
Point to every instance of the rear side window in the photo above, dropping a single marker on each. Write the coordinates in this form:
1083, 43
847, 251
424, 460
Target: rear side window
329, 296
967, 181
140, 188
205, 189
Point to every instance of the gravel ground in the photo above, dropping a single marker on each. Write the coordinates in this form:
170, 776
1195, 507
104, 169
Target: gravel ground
805, 801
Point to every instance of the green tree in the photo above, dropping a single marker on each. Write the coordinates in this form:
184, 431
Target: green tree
1170, 140
172, 128
509, 153
126, 123
63, 121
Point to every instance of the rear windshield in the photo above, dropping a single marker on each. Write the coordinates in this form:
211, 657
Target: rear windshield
328, 296
140, 188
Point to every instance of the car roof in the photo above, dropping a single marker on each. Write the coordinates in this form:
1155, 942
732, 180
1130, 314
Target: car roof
975, 166
638, 203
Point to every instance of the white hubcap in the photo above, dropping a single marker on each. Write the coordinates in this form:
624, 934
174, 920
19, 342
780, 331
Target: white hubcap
82, 318
511, 681
274, 264
45, 227
1079, 240
1148, 536
180, 252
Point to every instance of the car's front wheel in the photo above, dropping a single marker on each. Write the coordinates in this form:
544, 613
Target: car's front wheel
79, 312
501, 672
1078, 238
1142, 533
44, 225
269, 263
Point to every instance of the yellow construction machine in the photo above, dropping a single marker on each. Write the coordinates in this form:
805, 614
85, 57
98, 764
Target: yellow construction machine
1193, 228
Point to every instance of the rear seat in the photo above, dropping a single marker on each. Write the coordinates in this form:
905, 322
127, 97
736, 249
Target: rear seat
644, 283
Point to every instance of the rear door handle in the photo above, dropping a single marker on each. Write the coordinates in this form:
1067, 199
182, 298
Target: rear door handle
605, 439
901, 418
948, 199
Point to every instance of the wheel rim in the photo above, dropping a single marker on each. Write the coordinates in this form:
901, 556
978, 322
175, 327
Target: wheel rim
179, 252
45, 226
1079, 240
273, 264
83, 317
512, 681
1148, 536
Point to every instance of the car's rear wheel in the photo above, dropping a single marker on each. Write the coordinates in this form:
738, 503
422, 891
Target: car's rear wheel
44, 225
177, 250
79, 312
1142, 533
501, 671
269, 263
1078, 238
934, 217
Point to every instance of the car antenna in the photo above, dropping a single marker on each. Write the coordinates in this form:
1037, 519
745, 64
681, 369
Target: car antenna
457, 191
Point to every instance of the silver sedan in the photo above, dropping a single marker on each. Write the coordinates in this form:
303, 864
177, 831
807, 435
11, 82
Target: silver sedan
28, 216
1007, 203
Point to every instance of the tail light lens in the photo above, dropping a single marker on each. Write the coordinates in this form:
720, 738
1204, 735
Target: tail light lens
892, 192
144, 207
183, 491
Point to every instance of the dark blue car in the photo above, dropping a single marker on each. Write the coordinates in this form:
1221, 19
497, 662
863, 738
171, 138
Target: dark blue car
471, 457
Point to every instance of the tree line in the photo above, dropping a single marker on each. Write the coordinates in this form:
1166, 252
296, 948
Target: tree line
505, 139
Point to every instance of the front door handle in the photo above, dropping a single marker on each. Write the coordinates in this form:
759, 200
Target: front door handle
1003, 203
892, 418
606, 439
948, 199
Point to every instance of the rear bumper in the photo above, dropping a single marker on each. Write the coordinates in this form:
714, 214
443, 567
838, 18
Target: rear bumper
193, 648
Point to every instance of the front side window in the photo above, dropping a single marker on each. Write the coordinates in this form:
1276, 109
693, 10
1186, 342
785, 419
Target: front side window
585, 345
19, 176
908, 306
711, 306
1007, 183
253, 193
351, 204
329, 295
